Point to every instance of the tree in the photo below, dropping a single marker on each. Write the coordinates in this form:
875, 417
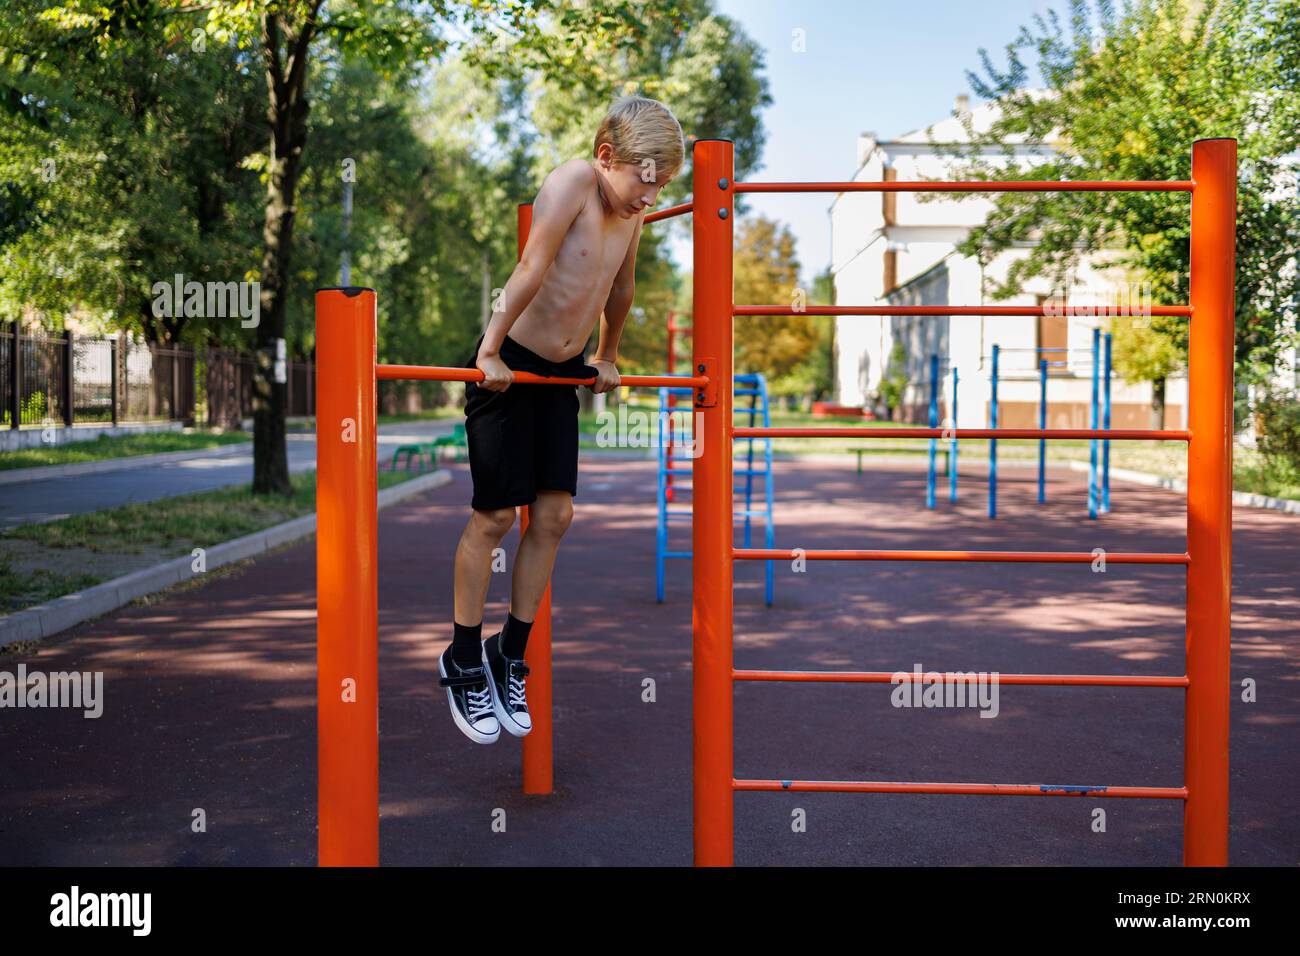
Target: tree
1126, 94
396, 37
767, 271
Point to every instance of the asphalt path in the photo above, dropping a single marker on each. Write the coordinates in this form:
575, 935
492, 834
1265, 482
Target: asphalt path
49, 499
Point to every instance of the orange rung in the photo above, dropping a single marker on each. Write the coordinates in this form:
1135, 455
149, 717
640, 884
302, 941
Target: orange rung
669, 212
992, 557
1103, 310
869, 431
976, 186
971, 789
891, 677
437, 373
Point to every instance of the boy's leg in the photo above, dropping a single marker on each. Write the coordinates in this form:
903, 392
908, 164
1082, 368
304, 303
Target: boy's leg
555, 458
482, 536
548, 518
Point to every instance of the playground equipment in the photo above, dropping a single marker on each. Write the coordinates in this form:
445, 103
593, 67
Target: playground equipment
673, 331
674, 434
347, 544
1098, 417
416, 451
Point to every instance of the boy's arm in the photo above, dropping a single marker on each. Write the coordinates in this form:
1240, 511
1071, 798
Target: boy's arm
615, 315
557, 205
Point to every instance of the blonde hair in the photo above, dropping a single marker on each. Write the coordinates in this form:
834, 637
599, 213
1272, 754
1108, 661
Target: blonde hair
640, 129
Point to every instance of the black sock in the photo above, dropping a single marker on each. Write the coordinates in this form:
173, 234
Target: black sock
467, 644
514, 637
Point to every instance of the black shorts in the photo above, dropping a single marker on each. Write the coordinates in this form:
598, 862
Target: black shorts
525, 439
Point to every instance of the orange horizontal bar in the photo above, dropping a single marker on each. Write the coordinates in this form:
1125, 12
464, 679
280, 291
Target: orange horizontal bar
435, 373
977, 186
902, 677
668, 213
865, 431
977, 789
996, 557
1028, 310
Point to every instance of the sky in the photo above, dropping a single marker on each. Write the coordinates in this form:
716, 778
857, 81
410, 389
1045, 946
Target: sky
883, 66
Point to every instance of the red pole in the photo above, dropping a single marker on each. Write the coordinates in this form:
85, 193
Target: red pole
347, 580
538, 754
1209, 500
711, 504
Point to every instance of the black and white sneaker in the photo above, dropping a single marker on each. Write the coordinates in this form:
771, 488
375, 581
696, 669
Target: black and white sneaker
507, 685
470, 699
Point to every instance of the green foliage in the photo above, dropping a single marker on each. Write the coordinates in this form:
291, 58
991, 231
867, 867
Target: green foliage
1277, 428
1127, 92
893, 381
766, 270
34, 409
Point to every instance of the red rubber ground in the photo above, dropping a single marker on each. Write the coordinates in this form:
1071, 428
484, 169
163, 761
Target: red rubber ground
210, 695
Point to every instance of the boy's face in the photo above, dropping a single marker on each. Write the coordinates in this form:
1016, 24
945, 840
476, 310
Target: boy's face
632, 186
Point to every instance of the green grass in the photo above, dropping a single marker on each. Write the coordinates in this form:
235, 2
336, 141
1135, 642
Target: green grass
18, 591
186, 521
172, 525
120, 446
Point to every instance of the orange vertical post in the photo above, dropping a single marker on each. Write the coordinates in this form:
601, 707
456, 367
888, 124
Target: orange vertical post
538, 754
711, 521
347, 580
1209, 500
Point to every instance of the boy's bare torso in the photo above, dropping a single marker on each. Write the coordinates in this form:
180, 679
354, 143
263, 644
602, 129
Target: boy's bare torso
558, 321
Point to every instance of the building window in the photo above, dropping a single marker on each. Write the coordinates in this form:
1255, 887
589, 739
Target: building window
1053, 340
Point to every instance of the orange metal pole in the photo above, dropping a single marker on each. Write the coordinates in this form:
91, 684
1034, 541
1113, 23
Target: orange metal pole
711, 522
904, 677
539, 765
992, 557
976, 186
968, 789
668, 213
869, 431
971, 310
347, 580
1209, 500
440, 373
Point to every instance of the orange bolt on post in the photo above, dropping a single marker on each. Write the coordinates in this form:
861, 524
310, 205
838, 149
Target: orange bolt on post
711, 520
347, 580
538, 754
1209, 500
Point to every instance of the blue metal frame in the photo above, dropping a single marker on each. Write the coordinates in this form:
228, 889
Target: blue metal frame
1092, 423
993, 442
952, 448
756, 391
1105, 445
934, 423
1042, 423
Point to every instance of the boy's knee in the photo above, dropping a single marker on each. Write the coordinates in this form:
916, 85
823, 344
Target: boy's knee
552, 514
494, 522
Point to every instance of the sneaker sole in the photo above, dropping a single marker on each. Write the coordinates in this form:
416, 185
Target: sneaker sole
475, 735
503, 717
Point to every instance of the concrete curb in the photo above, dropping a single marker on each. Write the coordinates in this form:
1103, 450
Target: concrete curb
1244, 498
15, 476
45, 620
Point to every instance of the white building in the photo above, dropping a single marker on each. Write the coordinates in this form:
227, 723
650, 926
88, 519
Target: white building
901, 249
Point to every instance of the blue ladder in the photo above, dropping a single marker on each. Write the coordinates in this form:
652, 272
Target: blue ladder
673, 433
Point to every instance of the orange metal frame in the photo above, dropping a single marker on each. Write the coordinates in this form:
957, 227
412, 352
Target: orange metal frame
347, 566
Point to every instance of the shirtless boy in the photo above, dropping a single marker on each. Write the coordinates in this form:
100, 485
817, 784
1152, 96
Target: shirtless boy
576, 267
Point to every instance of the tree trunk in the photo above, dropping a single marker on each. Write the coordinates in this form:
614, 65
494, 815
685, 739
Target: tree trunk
287, 111
1158, 403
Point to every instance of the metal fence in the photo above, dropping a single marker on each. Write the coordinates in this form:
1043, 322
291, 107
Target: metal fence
68, 379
